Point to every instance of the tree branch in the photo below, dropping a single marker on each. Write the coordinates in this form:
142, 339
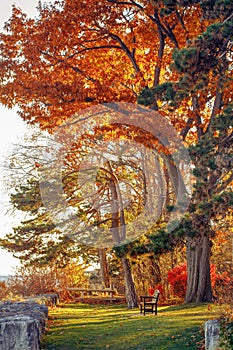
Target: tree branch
226, 183
127, 51
159, 56
156, 19
195, 105
216, 106
187, 127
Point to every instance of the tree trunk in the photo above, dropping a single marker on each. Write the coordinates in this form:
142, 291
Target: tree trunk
131, 296
198, 268
118, 228
104, 268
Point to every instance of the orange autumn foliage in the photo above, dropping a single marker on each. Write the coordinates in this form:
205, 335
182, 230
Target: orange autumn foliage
76, 54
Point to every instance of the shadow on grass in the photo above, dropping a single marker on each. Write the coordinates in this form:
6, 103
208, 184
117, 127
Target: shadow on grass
80, 326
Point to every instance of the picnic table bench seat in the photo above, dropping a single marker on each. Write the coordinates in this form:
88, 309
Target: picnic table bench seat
92, 292
149, 303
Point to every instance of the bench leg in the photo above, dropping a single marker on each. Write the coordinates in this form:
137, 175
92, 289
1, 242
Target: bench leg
148, 308
155, 309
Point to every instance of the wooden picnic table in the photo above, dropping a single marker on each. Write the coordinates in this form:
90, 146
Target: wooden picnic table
89, 291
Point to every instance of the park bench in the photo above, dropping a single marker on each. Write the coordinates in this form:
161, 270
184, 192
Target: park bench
149, 303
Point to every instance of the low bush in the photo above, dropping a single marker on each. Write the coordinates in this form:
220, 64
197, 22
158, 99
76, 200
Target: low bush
33, 280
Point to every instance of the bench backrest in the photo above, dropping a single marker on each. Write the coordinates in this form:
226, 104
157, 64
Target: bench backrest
156, 295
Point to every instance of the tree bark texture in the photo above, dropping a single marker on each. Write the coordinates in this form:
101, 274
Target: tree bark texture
131, 295
104, 268
198, 268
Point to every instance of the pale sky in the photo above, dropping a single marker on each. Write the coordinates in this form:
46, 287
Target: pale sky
11, 129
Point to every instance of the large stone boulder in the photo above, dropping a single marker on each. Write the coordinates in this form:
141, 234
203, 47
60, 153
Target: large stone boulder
51, 299
212, 335
21, 325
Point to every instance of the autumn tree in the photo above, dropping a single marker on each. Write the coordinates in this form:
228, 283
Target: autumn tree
172, 56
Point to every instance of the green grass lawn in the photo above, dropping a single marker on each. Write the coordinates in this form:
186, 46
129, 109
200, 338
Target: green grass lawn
79, 326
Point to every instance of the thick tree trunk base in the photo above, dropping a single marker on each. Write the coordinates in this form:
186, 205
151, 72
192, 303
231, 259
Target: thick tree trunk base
199, 288
131, 296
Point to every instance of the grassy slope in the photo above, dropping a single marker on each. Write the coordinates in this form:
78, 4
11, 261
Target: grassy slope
79, 326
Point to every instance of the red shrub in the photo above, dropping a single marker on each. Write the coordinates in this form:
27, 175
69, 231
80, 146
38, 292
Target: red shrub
177, 278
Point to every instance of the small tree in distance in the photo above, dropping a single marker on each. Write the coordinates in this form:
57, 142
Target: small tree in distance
33, 280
